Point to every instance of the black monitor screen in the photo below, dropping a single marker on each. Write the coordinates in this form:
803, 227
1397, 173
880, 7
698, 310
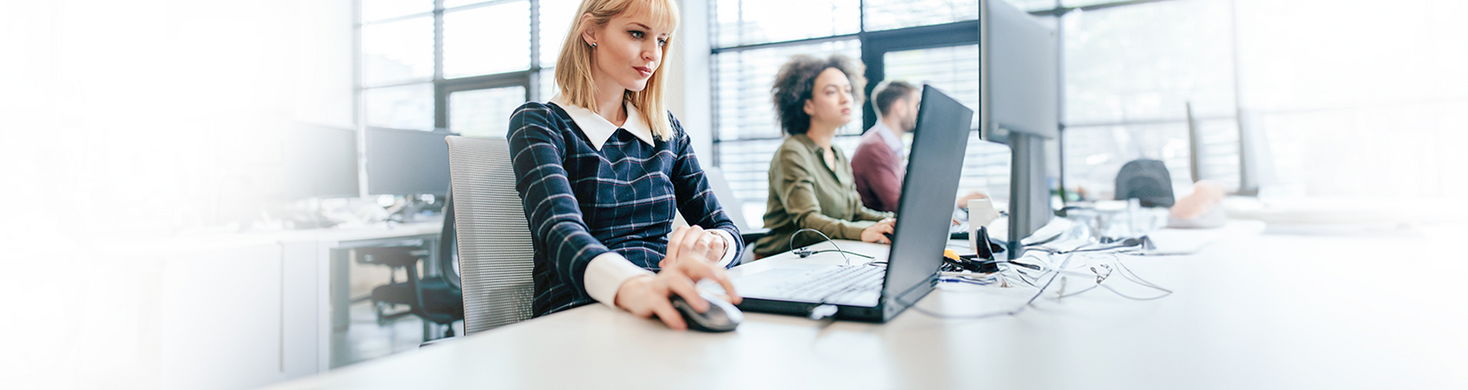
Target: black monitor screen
407, 162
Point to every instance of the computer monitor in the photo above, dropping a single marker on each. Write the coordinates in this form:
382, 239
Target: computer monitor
1253, 157
1019, 71
318, 162
407, 162
1019, 104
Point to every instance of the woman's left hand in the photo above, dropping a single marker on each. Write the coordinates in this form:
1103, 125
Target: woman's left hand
693, 243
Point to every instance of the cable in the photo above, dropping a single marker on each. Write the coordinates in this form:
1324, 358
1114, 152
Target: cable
791, 245
968, 278
1132, 276
808, 254
1058, 272
824, 309
1011, 312
1127, 273
1122, 247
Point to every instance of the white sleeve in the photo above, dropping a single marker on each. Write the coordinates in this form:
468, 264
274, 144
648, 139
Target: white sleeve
729, 249
606, 273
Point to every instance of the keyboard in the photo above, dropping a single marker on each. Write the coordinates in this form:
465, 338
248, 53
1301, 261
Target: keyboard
843, 284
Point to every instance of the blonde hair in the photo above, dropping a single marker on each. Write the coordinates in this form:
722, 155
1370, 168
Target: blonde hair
573, 69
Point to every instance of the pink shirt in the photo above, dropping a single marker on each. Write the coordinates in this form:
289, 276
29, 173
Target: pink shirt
878, 169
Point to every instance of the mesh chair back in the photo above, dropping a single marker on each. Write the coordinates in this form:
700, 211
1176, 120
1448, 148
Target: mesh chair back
495, 252
725, 194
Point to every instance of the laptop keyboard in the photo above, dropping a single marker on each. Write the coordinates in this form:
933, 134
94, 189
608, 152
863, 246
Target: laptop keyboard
837, 284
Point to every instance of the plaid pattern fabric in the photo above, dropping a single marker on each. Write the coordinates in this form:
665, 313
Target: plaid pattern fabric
581, 202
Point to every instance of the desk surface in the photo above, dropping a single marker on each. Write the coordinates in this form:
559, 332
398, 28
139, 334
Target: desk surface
147, 246
1249, 311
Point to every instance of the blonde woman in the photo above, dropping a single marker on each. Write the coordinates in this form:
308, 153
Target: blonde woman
602, 167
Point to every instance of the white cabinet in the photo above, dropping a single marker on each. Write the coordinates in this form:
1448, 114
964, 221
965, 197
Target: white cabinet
220, 317
240, 317
306, 309
237, 311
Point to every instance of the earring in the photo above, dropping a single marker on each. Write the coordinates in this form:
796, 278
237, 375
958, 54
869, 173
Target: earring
593, 45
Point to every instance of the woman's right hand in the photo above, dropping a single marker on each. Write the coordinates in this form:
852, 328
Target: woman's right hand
645, 296
877, 232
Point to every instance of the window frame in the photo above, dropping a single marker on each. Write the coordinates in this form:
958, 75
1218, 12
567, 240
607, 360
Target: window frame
442, 87
873, 44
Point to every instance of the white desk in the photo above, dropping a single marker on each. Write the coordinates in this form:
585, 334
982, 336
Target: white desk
197, 310
327, 252
1249, 311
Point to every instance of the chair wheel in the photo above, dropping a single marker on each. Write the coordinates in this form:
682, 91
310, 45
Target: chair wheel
377, 308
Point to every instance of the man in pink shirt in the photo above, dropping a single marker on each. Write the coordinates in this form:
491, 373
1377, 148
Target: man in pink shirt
880, 162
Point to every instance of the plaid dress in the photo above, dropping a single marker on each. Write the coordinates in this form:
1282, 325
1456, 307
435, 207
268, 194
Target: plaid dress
581, 202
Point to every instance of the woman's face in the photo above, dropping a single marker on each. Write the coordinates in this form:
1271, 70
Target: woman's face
830, 101
628, 50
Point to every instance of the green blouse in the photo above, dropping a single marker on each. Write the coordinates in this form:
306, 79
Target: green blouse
805, 193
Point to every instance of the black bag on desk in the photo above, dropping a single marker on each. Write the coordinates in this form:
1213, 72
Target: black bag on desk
1146, 180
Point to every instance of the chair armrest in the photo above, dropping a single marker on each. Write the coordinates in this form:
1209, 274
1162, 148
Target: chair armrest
751, 235
437, 341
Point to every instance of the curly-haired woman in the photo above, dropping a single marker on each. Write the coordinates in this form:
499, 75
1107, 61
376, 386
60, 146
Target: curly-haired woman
811, 185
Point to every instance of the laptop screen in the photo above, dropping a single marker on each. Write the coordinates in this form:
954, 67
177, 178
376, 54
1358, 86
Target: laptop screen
928, 192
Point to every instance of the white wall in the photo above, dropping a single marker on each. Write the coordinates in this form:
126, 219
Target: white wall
155, 116
1358, 98
126, 122
689, 92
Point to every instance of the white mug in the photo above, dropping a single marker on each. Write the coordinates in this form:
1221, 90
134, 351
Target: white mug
980, 212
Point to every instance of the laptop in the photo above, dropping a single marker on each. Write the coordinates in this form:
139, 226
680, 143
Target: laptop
877, 293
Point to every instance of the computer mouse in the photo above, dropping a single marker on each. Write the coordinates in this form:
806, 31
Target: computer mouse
720, 317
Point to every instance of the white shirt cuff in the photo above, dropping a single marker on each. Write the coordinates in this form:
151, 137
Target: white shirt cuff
606, 273
729, 249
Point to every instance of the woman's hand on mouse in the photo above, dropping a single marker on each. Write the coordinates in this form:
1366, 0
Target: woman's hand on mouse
877, 232
645, 295
690, 259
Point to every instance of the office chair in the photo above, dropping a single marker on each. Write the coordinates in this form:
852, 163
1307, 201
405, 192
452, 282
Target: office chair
1147, 180
434, 299
496, 256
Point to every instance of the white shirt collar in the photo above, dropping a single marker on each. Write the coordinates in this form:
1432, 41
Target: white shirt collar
599, 130
893, 142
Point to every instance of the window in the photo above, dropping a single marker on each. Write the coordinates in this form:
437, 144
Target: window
397, 51
1368, 101
1268, 97
954, 69
1094, 154
1132, 69
748, 129
484, 112
744, 79
483, 40
745, 22
890, 14
1277, 106
753, 38
400, 107
460, 65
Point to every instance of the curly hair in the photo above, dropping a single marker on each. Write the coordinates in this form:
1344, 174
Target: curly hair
796, 81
